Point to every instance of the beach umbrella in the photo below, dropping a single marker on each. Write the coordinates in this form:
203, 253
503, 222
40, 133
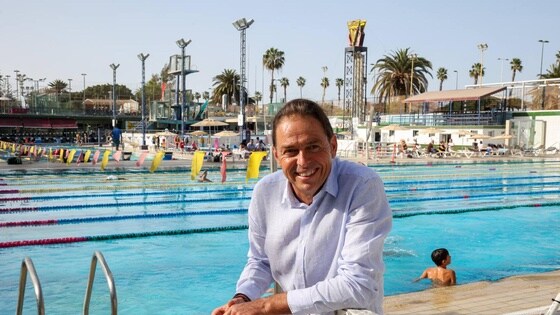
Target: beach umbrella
502, 137
165, 133
198, 133
463, 132
431, 130
480, 136
209, 123
226, 133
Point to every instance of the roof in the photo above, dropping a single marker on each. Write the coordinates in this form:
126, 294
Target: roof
454, 95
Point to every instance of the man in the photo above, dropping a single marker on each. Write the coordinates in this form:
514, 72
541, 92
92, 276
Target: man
116, 136
316, 228
440, 275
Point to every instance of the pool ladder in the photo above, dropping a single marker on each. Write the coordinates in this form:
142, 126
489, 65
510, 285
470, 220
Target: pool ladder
27, 265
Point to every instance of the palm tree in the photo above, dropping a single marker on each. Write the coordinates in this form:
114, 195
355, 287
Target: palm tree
515, 67
394, 74
273, 60
324, 85
58, 86
197, 97
226, 83
205, 95
339, 83
301, 83
553, 72
441, 75
284, 82
477, 70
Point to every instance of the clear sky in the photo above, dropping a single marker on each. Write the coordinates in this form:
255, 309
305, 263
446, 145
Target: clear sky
61, 39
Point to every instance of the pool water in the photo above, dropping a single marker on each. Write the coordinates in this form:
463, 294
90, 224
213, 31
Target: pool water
496, 219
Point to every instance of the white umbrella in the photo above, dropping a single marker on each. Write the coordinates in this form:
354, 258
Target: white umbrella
209, 123
502, 137
165, 133
431, 130
226, 133
198, 133
480, 136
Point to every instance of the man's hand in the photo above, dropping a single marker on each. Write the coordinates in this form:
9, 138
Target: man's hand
224, 308
275, 304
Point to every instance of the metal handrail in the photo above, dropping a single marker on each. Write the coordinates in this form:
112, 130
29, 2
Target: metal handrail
97, 256
27, 264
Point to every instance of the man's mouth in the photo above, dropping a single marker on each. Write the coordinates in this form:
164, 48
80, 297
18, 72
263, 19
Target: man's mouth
306, 173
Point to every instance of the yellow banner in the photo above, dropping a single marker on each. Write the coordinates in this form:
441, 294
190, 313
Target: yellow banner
254, 163
196, 163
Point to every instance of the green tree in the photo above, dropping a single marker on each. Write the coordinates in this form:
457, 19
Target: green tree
441, 75
324, 84
205, 95
339, 83
57, 86
273, 60
394, 74
515, 67
284, 82
104, 91
197, 97
553, 72
301, 83
226, 83
258, 97
477, 71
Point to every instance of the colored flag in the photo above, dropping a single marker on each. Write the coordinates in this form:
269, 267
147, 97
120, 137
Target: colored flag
61, 155
223, 169
95, 157
105, 159
157, 161
196, 163
117, 156
141, 159
70, 156
86, 157
254, 163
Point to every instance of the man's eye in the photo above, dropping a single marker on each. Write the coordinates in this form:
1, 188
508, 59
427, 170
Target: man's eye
290, 152
314, 148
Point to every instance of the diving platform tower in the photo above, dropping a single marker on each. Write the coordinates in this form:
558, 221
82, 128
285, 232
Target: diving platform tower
355, 75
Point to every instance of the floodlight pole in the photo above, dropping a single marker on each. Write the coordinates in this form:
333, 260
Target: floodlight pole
482, 48
143, 58
542, 41
114, 67
242, 25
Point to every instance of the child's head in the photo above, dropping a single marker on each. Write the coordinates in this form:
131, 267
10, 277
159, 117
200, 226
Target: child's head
439, 256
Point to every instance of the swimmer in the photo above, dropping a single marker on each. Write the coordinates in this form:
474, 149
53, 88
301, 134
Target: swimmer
113, 177
440, 275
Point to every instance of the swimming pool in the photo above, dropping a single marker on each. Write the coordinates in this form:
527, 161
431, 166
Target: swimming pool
497, 219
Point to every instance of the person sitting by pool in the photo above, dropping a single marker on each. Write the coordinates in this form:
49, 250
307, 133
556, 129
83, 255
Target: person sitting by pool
202, 178
440, 275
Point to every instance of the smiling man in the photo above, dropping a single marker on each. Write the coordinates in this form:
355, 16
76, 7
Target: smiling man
316, 228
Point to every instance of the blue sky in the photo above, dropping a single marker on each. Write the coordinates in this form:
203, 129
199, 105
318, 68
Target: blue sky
60, 39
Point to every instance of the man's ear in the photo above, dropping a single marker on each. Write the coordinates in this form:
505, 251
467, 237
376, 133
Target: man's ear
334, 146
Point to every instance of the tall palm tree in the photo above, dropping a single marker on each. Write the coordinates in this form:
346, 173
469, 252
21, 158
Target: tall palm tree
205, 95
301, 83
515, 67
197, 97
284, 82
553, 72
441, 75
339, 83
324, 84
273, 60
477, 70
58, 86
394, 74
226, 83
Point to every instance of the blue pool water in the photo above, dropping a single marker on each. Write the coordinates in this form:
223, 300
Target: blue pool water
497, 220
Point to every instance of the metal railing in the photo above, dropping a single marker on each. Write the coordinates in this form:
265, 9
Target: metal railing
97, 256
27, 265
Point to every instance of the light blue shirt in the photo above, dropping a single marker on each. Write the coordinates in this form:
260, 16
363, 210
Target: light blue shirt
328, 255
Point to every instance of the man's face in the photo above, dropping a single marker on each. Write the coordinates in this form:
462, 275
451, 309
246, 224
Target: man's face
305, 154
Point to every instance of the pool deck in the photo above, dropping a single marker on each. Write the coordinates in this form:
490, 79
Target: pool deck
508, 295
